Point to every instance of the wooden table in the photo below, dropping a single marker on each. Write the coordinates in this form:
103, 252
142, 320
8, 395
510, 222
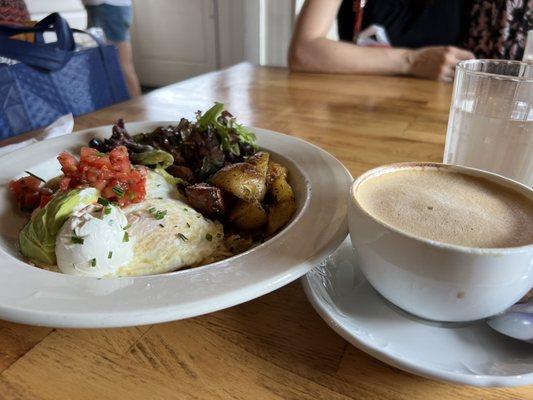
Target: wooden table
275, 347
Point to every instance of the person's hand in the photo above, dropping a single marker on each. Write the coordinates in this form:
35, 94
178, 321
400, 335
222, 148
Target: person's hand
437, 62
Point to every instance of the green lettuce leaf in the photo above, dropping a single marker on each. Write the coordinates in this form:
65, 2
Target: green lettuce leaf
210, 118
153, 157
173, 180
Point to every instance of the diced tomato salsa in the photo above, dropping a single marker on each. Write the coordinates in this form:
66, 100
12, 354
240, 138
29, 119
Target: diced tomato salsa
29, 193
111, 173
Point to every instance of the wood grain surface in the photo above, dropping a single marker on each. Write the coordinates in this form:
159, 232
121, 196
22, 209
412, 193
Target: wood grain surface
274, 347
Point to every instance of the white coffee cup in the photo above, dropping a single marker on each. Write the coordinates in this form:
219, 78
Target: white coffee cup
435, 280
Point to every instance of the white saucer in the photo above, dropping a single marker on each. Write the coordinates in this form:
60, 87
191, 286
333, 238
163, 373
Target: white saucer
470, 354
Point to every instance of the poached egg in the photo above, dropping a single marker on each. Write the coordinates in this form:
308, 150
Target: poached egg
94, 242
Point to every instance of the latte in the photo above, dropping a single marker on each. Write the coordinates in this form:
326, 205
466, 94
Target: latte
449, 207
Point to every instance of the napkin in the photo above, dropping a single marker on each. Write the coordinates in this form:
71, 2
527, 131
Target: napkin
59, 127
373, 36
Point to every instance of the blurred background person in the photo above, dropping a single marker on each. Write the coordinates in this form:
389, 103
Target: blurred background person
498, 29
13, 11
114, 17
421, 38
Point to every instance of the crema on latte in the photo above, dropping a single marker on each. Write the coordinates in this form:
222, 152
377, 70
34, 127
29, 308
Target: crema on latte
449, 207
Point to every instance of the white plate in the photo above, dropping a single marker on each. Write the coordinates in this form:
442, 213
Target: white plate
470, 354
34, 296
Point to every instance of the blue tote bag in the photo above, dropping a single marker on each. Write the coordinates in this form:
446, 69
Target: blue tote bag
53, 79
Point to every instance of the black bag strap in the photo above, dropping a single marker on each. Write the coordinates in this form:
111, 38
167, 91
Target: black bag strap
49, 56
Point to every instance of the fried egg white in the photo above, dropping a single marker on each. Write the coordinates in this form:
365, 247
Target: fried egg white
157, 187
168, 235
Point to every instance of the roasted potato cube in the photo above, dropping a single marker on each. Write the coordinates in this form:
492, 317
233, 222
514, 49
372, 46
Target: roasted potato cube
281, 190
182, 172
260, 161
248, 216
279, 215
243, 180
274, 171
205, 198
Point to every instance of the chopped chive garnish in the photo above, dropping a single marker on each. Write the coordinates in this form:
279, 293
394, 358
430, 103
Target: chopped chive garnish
93, 262
110, 254
158, 185
76, 239
188, 225
208, 237
186, 209
100, 154
198, 216
160, 214
182, 237
161, 225
158, 198
107, 210
118, 191
131, 196
126, 237
35, 176
127, 227
103, 201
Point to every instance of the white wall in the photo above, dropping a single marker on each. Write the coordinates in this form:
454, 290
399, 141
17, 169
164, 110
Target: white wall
72, 10
231, 29
278, 20
174, 39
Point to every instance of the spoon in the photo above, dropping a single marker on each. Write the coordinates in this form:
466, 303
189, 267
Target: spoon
516, 321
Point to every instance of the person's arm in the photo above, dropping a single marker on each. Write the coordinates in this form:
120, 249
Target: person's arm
311, 51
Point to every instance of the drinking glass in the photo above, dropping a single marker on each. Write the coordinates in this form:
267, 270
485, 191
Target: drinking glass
528, 51
490, 126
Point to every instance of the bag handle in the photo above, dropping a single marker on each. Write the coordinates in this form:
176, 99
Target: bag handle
49, 56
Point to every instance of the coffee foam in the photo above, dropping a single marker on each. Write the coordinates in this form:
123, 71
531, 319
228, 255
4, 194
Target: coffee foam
449, 207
